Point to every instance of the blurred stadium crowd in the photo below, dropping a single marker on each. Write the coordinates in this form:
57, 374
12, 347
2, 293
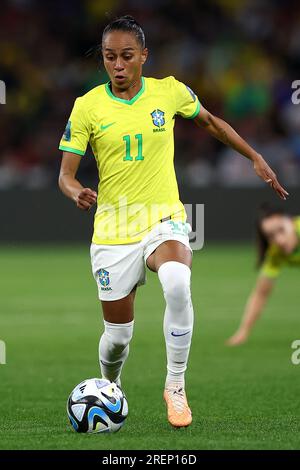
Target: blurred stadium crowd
239, 56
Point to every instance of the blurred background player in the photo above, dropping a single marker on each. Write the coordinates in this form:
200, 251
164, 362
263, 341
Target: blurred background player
129, 123
278, 244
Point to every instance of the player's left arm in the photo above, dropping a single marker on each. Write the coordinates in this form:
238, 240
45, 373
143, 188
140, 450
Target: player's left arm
222, 131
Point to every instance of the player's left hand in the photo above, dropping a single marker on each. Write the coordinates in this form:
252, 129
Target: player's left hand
266, 173
238, 338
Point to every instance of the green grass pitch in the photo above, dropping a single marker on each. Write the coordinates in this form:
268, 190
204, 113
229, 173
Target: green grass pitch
244, 398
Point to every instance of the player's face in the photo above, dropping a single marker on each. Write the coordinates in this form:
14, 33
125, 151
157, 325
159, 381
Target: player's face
280, 230
123, 58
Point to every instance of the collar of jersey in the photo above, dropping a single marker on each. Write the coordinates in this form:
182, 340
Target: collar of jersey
133, 100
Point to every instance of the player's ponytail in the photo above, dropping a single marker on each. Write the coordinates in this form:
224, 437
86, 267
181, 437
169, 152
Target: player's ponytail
262, 243
129, 24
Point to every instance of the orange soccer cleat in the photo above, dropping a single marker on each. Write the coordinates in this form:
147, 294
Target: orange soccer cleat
179, 413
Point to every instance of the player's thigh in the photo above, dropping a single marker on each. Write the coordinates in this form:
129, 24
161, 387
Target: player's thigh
119, 311
170, 250
118, 270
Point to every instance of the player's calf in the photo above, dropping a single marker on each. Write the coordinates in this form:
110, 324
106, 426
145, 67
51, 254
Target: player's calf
178, 319
114, 349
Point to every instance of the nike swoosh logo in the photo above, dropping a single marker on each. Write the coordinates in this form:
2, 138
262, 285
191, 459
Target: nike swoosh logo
103, 127
182, 334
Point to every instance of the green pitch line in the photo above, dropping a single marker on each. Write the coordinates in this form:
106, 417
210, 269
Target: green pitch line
245, 398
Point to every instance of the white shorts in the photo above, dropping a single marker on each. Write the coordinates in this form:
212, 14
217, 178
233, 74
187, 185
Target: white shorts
117, 269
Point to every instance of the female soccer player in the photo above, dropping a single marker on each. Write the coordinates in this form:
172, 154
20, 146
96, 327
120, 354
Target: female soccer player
278, 236
140, 220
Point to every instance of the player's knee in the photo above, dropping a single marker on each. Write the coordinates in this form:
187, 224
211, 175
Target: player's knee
178, 290
118, 334
175, 280
120, 342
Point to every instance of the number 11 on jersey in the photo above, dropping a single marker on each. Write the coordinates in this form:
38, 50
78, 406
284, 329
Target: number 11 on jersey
139, 156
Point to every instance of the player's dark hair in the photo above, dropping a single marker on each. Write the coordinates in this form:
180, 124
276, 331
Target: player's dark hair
129, 24
265, 211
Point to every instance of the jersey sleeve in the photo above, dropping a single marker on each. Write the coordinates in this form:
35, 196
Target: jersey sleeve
272, 264
77, 134
187, 104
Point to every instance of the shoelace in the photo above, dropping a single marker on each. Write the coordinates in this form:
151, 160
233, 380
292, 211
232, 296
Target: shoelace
178, 398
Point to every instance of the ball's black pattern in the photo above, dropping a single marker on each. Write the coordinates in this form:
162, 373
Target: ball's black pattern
102, 411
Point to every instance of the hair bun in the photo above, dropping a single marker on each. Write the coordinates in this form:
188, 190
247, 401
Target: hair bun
128, 24
128, 18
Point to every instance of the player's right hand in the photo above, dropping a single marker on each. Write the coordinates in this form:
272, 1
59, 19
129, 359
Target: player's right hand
86, 198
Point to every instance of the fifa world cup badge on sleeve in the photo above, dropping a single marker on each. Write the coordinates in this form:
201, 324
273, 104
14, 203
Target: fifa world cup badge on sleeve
191, 93
67, 132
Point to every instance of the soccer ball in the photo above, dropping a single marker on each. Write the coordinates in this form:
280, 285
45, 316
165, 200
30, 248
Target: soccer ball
97, 405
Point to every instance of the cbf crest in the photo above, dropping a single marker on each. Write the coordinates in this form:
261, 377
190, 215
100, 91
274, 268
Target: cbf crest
158, 117
103, 276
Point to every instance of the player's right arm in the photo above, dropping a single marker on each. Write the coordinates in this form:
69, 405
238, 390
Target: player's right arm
84, 198
253, 309
73, 144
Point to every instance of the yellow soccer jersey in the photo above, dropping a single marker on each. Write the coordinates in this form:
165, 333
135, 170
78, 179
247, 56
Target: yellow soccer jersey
275, 259
133, 143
